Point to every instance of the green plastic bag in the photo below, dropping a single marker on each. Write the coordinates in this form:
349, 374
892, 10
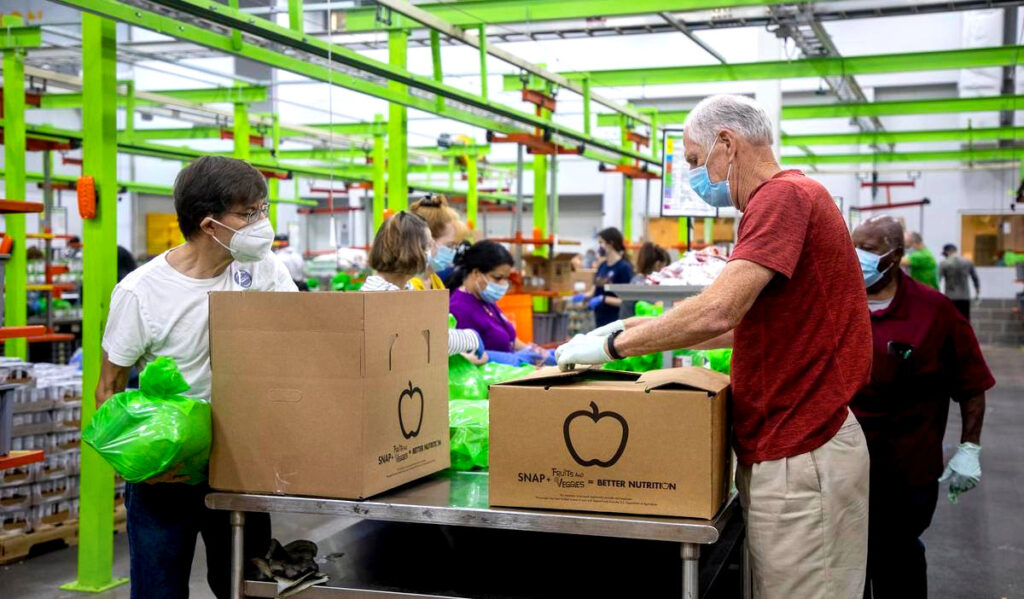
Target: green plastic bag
464, 379
494, 373
720, 360
469, 433
145, 433
645, 362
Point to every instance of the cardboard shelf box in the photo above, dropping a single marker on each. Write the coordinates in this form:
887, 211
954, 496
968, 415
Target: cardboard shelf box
599, 440
339, 395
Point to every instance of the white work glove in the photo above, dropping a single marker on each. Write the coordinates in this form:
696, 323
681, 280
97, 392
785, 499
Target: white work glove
963, 470
582, 349
608, 329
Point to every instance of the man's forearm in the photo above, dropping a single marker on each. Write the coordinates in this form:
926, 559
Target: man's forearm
972, 413
689, 323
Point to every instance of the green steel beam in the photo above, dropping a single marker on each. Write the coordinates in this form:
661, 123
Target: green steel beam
215, 95
496, 12
274, 184
790, 69
902, 107
99, 235
498, 117
379, 180
171, 133
295, 15
861, 109
16, 271
398, 125
241, 130
20, 36
893, 137
367, 129
969, 155
471, 192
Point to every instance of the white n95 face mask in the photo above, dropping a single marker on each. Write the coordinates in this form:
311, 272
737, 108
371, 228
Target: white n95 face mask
251, 243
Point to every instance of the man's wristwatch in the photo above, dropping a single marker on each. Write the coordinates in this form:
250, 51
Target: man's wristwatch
610, 345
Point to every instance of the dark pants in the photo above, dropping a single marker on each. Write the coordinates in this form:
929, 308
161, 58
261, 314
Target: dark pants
964, 306
163, 521
897, 518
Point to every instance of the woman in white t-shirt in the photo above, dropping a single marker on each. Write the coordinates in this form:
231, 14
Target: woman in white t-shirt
161, 309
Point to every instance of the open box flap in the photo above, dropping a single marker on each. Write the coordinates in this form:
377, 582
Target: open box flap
554, 376
688, 377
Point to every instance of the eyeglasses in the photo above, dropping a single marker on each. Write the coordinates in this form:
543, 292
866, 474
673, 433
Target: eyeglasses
254, 214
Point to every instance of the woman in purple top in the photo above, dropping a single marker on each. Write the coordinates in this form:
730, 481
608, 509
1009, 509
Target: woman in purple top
479, 281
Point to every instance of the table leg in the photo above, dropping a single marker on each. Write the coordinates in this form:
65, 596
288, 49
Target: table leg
691, 579
237, 554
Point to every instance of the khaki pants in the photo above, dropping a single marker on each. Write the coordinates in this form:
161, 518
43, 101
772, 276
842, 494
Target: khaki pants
807, 520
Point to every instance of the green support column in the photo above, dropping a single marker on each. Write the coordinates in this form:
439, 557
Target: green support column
295, 15
398, 142
540, 199
709, 230
435, 55
684, 230
274, 184
15, 298
379, 159
471, 194
451, 172
627, 188
241, 131
99, 240
586, 106
129, 109
483, 60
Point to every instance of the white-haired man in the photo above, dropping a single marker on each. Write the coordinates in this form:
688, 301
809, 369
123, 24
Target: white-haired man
791, 303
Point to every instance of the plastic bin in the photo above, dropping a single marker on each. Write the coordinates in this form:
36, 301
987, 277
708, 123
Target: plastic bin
518, 308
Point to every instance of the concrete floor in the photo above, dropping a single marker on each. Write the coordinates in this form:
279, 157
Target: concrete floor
975, 548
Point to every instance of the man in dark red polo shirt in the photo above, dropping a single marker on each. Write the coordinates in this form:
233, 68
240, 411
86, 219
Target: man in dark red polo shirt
925, 354
790, 302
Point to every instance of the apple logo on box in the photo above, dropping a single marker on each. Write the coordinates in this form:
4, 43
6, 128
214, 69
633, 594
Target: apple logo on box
408, 404
584, 430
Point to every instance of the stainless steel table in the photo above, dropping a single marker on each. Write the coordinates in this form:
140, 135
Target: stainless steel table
460, 499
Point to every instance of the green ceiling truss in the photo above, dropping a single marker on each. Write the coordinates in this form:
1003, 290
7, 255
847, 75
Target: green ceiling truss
479, 112
214, 95
496, 12
967, 155
860, 109
846, 66
893, 137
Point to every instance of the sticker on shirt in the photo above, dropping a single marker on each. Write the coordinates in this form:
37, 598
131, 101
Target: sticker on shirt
243, 278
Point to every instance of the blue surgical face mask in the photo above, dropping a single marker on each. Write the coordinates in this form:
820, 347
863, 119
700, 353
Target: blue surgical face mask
714, 194
869, 266
493, 292
444, 258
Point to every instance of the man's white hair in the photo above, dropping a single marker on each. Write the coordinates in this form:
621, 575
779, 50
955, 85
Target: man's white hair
739, 114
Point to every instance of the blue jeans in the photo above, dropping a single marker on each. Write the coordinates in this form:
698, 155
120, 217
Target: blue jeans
163, 521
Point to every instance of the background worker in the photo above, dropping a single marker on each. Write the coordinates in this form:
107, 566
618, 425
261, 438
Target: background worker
919, 261
651, 257
480, 280
292, 260
790, 301
161, 309
955, 270
400, 250
614, 268
925, 353
444, 231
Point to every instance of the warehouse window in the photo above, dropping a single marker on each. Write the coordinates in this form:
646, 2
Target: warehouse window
992, 239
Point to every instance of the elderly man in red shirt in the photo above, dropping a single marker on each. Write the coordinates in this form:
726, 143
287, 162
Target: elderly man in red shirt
925, 354
790, 302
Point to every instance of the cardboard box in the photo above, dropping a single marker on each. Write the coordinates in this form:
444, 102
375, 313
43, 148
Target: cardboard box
585, 276
556, 271
341, 395
606, 441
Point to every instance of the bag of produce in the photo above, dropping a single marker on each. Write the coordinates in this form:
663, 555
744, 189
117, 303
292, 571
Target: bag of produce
148, 432
494, 373
470, 438
464, 379
720, 360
